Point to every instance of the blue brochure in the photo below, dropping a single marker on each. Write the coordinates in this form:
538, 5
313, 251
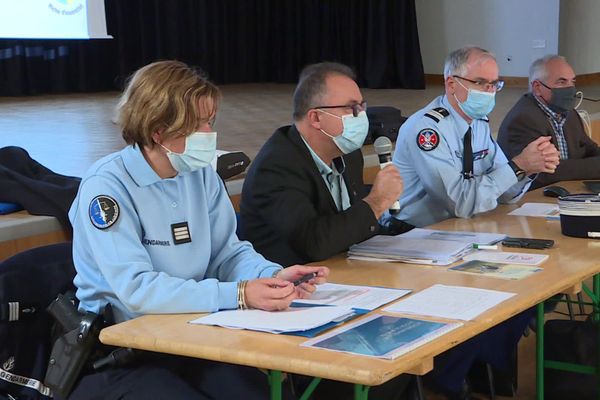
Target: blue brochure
382, 336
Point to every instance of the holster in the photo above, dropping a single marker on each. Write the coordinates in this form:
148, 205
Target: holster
72, 348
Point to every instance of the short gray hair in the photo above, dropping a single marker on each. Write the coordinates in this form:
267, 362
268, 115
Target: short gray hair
538, 70
311, 85
456, 62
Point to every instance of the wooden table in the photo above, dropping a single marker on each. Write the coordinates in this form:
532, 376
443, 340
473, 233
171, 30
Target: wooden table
21, 231
571, 262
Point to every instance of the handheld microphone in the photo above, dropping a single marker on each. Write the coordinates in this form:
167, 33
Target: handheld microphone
383, 148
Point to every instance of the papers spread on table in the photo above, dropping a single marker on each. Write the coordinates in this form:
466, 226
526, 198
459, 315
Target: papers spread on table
506, 257
496, 270
547, 210
381, 336
422, 246
451, 302
290, 320
358, 297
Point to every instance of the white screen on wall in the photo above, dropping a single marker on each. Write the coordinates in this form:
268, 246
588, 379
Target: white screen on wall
52, 19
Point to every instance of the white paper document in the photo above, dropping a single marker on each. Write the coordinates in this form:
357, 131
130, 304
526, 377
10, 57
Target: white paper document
451, 302
505, 257
290, 320
547, 210
360, 297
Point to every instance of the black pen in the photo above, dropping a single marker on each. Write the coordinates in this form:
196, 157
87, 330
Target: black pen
305, 278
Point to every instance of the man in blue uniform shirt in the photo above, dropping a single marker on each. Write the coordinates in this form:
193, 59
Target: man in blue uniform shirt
154, 233
450, 164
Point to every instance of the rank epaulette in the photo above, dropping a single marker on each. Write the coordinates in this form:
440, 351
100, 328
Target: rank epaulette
437, 114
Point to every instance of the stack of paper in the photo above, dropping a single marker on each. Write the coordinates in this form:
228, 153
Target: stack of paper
361, 298
484, 238
452, 302
290, 320
409, 250
382, 336
422, 246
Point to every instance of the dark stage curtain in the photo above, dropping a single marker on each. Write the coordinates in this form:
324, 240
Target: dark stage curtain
233, 40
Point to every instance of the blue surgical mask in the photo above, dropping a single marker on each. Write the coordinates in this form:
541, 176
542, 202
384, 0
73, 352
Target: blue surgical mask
200, 148
478, 104
354, 133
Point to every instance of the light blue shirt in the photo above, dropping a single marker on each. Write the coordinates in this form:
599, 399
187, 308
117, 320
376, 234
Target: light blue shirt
434, 188
333, 179
135, 265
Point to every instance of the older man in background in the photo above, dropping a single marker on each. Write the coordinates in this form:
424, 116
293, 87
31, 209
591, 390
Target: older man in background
548, 110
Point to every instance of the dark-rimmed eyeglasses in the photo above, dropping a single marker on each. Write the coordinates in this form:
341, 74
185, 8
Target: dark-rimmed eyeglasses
356, 107
496, 86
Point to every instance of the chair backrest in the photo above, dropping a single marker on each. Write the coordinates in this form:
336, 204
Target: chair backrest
29, 282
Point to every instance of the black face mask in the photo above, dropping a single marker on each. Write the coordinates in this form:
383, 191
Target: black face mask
563, 99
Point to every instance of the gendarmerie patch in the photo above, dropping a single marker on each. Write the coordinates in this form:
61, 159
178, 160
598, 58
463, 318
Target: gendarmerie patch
181, 233
428, 139
104, 211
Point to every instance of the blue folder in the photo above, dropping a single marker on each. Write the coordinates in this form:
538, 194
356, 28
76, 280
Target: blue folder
7, 208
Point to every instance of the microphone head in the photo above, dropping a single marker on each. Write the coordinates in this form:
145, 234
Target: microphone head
382, 145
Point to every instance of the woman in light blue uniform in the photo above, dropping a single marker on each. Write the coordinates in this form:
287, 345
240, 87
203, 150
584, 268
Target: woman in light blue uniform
154, 232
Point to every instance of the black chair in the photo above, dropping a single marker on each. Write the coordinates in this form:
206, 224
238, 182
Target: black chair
29, 282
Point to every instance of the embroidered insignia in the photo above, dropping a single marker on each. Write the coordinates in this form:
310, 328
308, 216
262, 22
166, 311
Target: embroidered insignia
181, 233
480, 155
104, 211
9, 363
428, 139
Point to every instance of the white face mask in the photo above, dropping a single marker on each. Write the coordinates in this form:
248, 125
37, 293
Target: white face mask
200, 148
354, 133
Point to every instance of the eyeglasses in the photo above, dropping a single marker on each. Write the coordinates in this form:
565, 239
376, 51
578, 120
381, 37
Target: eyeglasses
356, 107
496, 86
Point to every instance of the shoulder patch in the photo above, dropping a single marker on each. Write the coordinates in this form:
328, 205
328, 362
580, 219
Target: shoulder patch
104, 211
437, 114
428, 139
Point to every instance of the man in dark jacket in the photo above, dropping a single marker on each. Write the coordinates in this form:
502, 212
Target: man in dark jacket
303, 198
548, 110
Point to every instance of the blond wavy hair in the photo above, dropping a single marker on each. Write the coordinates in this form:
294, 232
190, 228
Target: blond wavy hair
169, 97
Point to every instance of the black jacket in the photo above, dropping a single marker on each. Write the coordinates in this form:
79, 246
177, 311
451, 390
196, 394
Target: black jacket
38, 189
287, 211
526, 122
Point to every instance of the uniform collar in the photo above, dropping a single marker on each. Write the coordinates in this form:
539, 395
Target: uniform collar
461, 125
137, 166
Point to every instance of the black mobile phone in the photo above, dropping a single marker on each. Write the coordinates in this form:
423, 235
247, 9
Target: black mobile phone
528, 243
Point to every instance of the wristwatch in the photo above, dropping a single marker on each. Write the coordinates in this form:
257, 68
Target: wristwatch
518, 171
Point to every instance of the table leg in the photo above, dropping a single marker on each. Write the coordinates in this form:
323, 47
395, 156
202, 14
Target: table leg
596, 306
361, 392
539, 365
275, 378
310, 389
